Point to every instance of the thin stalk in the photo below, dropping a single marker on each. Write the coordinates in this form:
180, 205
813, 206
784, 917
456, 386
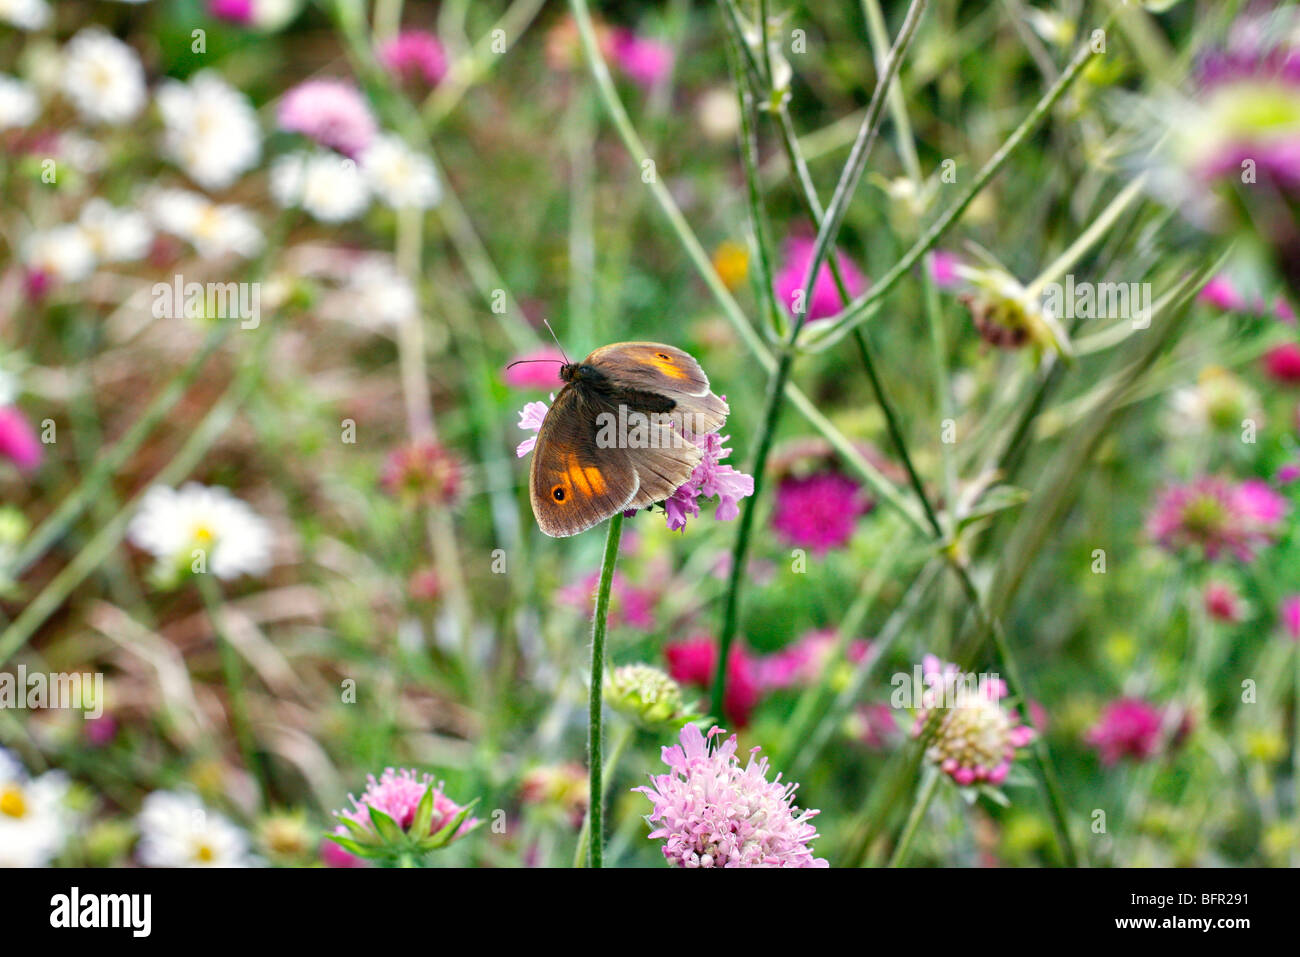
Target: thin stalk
233, 674
595, 788
929, 784
620, 745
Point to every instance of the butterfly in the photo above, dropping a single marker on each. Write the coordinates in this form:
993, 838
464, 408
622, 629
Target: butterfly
619, 435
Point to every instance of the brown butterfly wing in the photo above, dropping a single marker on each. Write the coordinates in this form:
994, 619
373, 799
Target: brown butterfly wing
668, 371
573, 484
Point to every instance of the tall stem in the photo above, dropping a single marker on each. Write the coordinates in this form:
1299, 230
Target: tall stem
595, 792
929, 781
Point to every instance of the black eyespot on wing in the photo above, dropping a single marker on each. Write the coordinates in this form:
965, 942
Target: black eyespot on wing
557, 493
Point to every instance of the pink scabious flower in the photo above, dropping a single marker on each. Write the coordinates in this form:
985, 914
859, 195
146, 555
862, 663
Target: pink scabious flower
788, 284
711, 812
1214, 516
331, 112
18, 442
1289, 613
1222, 602
414, 56
976, 738
874, 725
423, 472
643, 61
539, 369
629, 605
1282, 363
1129, 728
709, 480
818, 511
802, 663
397, 793
693, 662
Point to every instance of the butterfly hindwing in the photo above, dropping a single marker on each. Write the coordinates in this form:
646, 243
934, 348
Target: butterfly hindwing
668, 371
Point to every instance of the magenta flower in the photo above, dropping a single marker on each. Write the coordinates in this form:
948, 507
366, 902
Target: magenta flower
1131, 728
1222, 602
414, 56
788, 284
874, 725
694, 661
1282, 363
643, 61
1213, 515
1222, 294
232, 11
1289, 613
331, 112
539, 369
819, 511
423, 472
977, 738
530, 420
711, 812
18, 442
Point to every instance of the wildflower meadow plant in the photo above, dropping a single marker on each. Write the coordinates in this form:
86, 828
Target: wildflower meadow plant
923, 341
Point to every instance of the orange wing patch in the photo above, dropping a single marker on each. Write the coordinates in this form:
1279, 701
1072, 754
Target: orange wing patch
665, 364
587, 480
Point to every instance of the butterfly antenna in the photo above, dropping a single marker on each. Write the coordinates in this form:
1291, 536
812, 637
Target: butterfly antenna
547, 324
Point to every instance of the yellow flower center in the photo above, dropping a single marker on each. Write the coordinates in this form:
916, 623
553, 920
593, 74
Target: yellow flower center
203, 535
12, 803
204, 854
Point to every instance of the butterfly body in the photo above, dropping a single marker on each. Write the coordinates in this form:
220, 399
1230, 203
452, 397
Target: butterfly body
620, 434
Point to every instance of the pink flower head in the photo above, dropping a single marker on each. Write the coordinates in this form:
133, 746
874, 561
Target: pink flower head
1282, 363
802, 663
1289, 612
628, 605
788, 284
530, 420
1288, 474
643, 61
818, 511
875, 726
711, 812
415, 56
943, 268
1222, 294
709, 480
539, 369
694, 661
976, 738
18, 442
233, 11
1130, 728
423, 472
1214, 515
398, 794
1222, 602
331, 112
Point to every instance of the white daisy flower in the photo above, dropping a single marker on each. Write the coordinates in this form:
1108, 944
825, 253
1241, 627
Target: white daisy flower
61, 253
115, 235
173, 523
382, 294
18, 103
176, 830
25, 14
400, 176
212, 131
103, 77
34, 819
212, 229
326, 185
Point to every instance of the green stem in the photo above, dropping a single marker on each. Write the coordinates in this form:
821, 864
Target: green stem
929, 783
233, 673
596, 792
620, 745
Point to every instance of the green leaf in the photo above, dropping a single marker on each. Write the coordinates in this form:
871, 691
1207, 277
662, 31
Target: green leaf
386, 826
448, 831
419, 828
359, 831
